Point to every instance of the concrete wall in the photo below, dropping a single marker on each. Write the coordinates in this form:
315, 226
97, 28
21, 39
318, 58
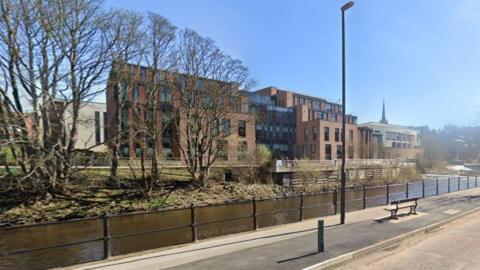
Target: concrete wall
303, 172
86, 126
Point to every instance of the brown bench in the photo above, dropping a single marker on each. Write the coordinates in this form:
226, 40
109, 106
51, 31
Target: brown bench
410, 203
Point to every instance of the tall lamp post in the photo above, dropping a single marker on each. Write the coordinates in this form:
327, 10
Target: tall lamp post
343, 174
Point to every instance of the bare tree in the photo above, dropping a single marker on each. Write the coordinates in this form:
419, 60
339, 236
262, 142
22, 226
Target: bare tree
143, 54
53, 57
208, 83
126, 28
152, 111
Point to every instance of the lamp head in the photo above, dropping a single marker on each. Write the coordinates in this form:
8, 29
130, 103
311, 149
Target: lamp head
347, 6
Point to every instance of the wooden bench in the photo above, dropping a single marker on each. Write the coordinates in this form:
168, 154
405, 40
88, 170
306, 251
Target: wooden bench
402, 204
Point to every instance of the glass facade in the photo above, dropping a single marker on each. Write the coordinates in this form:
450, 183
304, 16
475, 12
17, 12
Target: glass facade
274, 125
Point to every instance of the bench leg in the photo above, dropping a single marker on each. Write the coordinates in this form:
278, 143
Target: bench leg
393, 214
413, 209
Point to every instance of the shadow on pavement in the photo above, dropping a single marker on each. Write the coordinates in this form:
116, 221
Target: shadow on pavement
299, 257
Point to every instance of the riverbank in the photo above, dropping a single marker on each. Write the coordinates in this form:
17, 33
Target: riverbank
81, 201
92, 195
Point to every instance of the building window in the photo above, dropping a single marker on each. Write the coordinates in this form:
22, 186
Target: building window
242, 150
125, 150
242, 128
314, 133
136, 93
222, 150
165, 96
339, 151
328, 107
337, 135
350, 151
328, 151
351, 135
326, 134
216, 127
305, 133
138, 150
226, 126
312, 150
105, 126
97, 128
334, 117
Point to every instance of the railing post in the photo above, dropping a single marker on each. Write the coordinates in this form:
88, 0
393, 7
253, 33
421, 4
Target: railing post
476, 181
468, 182
254, 207
437, 186
335, 200
107, 249
194, 223
406, 190
301, 206
388, 193
423, 188
458, 183
448, 184
364, 197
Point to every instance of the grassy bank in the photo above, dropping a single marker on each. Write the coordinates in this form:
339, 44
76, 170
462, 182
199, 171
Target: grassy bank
91, 195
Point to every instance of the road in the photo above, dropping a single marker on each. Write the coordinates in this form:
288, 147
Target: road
454, 246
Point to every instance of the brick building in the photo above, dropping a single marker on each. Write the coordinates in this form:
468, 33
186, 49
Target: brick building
168, 99
292, 125
275, 126
317, 125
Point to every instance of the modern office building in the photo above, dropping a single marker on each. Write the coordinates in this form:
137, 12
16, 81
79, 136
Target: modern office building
92, 124
393, 141
292, 125
316, 125
274, 125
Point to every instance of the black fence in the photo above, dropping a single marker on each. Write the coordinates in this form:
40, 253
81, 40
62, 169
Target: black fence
78, 241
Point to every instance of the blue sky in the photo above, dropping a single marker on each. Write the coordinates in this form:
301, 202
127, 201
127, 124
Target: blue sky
423, 57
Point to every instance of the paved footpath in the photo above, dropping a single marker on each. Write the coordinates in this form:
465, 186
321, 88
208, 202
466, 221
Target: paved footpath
293, 246
454, 246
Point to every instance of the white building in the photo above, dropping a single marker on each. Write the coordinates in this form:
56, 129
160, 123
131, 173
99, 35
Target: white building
92, 126
394, 141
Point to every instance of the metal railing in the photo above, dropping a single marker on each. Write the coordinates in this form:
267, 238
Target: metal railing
331, 202
291, 165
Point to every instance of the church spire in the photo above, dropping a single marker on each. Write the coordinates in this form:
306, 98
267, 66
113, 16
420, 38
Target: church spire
384, 118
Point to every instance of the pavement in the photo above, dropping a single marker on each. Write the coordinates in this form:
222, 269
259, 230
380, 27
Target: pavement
453, 246
293, 246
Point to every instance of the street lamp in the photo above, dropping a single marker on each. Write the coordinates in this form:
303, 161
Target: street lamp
343, 173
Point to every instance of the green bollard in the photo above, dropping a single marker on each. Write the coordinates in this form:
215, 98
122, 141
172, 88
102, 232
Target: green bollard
321, 246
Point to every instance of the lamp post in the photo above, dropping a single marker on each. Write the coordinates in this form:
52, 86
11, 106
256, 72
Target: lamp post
343, 173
